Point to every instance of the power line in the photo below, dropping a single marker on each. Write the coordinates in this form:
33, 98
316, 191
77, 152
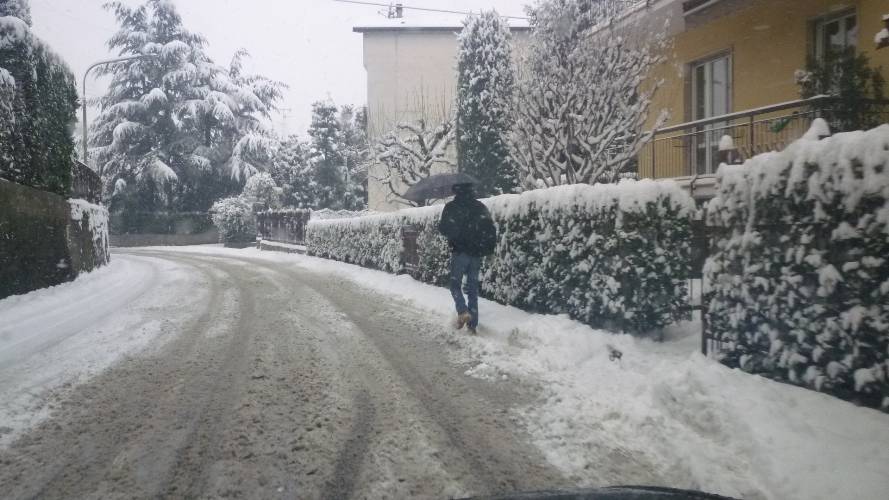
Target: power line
426, 9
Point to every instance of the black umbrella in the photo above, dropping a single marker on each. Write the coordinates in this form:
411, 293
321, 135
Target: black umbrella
436, 187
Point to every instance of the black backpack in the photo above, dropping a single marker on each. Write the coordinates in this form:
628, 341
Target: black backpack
485, 232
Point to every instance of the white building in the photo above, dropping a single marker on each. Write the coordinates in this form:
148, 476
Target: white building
411, 73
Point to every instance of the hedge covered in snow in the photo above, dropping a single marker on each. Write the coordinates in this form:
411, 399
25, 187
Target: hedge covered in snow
611, 256
800, 274
38, 101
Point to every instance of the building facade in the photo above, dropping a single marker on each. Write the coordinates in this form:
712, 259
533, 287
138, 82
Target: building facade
411, 74
733, 71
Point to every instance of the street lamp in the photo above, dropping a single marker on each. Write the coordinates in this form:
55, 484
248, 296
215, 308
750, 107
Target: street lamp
83, 105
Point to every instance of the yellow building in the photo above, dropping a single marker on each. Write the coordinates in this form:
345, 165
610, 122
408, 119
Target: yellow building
732, 71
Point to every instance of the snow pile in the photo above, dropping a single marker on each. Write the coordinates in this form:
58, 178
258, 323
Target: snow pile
58, 336
326, 213
96, 219
800, 275
609, 255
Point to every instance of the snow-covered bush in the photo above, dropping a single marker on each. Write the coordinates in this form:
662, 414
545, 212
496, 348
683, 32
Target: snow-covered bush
611, 256
584, 91
38, 101
235, 220
261, 188
800, 273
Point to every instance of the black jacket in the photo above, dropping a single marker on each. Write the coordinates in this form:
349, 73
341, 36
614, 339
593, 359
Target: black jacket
468, 226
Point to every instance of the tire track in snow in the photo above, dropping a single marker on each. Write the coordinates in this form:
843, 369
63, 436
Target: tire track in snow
473, 437
106, 423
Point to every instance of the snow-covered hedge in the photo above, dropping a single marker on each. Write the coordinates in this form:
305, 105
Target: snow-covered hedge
800, 274
38, 101
609, 255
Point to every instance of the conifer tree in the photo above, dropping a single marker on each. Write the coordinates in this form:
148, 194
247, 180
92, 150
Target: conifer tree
326, 156
16, 8
176, 130
485, 85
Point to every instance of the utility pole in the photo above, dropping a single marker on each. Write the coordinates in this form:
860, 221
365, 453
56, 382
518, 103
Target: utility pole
83, 104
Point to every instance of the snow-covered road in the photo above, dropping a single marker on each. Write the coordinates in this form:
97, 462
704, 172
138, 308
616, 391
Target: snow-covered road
229, 376
204, 371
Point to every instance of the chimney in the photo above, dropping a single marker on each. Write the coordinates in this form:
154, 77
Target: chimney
399, 11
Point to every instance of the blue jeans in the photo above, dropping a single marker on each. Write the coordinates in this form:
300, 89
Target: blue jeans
465, 265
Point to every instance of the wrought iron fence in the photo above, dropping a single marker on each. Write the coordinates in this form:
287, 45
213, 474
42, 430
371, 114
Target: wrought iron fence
693, 148
283, 226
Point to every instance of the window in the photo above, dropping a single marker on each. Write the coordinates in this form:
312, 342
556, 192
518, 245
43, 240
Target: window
835, 33
711, 96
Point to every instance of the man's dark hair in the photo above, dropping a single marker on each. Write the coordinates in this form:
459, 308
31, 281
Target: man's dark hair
463, 189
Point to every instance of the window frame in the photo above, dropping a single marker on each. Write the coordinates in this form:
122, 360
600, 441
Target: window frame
816, 30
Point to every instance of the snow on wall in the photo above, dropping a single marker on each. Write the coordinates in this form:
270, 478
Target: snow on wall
608, 255
94, 220
800, 275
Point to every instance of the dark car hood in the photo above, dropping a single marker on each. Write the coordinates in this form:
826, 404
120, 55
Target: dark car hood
610, 493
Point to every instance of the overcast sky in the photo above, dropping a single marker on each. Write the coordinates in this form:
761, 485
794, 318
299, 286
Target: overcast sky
308, 44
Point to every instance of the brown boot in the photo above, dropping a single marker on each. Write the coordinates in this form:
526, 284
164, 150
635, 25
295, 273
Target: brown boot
463, 319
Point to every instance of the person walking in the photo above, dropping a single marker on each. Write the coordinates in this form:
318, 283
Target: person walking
471, 234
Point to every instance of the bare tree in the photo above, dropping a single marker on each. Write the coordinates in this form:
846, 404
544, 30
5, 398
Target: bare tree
412, 152
419, 144
584, 92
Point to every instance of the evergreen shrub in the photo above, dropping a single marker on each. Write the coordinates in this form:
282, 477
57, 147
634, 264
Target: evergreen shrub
799, 279
38, 104
612, 256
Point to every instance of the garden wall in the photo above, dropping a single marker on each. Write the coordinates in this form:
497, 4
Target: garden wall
799, 275
138, 229
46, 240
612, 256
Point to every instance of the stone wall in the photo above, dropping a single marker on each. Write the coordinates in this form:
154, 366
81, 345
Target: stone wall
142, 229
40, 244
207, 237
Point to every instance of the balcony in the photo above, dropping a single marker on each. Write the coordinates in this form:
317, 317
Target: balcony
690, 151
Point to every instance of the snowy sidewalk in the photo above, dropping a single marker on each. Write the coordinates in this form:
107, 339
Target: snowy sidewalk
663, 406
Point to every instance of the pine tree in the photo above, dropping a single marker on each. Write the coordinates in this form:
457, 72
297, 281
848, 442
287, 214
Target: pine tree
485, 85
293, 172
326, 155
356, 153
16, 8
177, 130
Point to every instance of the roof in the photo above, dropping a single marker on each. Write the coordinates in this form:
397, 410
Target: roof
425, 23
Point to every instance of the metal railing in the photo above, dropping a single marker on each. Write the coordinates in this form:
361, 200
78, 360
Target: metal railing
692, 148
283, 226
